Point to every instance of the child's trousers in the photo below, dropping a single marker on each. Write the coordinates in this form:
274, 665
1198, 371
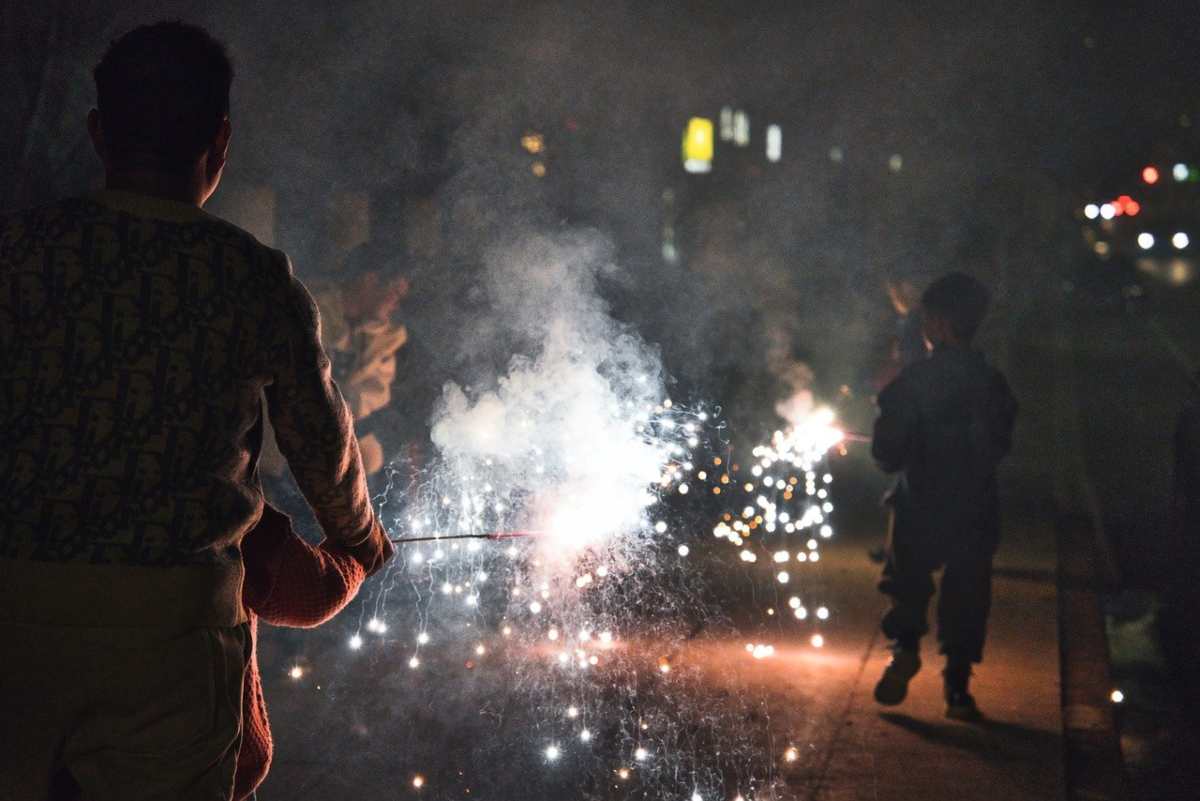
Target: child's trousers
963, 604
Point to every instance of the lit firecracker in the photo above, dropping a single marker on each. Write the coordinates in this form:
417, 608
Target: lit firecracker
568, 593
571, 591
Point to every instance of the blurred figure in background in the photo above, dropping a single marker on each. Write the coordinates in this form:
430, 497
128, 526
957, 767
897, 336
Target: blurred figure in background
906, 342
362, 337
906, 345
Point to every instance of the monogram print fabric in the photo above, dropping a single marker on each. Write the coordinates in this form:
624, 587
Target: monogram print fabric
134, 354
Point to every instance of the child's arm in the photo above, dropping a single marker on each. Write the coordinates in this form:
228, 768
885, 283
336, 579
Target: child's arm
894, 427
292, 583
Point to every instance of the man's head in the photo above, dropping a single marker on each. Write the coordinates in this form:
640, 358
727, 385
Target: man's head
952, 309
163, 105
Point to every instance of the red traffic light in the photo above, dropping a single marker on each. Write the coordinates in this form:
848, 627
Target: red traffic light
1150, 174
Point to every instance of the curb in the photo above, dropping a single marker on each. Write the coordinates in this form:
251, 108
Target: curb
1094, 770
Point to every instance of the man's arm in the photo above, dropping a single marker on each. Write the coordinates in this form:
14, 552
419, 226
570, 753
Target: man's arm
292, 583
894, 428
315, 432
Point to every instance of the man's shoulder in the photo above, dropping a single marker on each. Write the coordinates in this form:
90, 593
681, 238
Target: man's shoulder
37, 217
223, 228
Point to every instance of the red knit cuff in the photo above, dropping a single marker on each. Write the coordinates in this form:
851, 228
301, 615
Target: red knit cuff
371, 554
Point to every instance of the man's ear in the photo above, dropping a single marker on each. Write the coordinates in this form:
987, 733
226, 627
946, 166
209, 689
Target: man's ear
218, 152
96, 132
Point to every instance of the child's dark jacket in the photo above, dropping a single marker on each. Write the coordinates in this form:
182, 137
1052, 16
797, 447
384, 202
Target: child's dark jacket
944, 424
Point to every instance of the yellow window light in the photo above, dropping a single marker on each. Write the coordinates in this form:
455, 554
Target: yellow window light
698, 145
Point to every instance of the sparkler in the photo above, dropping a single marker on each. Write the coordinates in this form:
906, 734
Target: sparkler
495, 535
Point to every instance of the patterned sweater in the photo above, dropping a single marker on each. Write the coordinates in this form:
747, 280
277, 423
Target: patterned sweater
137, 339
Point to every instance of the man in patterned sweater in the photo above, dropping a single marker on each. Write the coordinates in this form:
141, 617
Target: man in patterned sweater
138, 336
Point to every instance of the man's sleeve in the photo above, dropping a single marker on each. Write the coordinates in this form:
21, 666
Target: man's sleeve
311, 586
314, 430
894, 428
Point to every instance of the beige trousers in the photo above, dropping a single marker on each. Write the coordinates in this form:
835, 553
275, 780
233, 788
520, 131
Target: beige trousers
131, 714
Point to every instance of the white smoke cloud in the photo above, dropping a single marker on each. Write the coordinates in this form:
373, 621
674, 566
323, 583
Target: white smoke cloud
561, 426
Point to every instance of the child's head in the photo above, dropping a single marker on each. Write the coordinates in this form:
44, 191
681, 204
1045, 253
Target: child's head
953, 307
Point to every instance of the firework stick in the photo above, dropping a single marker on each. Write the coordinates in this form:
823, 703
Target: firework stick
495, 535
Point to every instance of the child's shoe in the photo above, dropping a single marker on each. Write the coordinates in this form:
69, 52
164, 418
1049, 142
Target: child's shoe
959, 703
961, 706
893, 685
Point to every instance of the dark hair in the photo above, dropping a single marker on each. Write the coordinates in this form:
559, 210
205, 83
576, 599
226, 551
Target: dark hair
960, 300
162, 92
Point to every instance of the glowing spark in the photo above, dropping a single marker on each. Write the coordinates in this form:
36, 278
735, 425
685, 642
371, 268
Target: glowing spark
296, 672
418, 781
761, 651
356, 642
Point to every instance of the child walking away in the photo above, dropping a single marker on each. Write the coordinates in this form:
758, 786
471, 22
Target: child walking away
944, 425
288, 583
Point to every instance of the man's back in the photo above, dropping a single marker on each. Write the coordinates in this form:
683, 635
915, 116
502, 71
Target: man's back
138, 336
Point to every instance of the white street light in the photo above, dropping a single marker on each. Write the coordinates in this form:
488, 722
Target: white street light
1108, 211
1180, 240
1145, 240
1091, 211
1180, 172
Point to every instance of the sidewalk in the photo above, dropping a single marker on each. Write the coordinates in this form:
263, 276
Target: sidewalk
912, 751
